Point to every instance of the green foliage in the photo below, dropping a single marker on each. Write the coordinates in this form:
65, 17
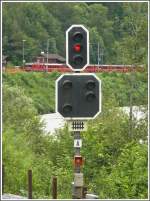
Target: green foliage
26, 147
129, 177
16, 103
119, 87
133, 46
39, 86
108, 151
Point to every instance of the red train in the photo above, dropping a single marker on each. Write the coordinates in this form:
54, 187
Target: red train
41, 67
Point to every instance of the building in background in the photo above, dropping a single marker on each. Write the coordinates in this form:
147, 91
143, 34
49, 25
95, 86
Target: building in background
52, 58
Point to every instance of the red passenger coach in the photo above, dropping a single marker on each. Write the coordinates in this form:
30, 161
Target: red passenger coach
43, 67
39, 67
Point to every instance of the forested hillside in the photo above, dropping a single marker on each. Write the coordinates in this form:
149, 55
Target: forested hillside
119, 28
115, 147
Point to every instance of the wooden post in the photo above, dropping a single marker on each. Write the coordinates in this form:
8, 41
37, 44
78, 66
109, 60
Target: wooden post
30, 184
84, 192
3, 176
54, 187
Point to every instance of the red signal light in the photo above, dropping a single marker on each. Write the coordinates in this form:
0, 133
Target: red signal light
78, 160
77, 47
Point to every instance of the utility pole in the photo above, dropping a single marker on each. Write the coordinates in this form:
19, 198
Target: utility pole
42, 53
131, 105
47, 55
23, 60
132, 80
102, 55
98, 53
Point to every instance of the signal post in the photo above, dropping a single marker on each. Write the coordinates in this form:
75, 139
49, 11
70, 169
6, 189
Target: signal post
78, 162
78, 96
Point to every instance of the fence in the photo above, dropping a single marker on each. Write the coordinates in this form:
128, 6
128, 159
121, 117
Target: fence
29, 177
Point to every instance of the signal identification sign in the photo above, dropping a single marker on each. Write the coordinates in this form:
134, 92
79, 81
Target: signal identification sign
77, 143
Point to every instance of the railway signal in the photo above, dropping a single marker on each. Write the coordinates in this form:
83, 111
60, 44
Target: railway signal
77, 47
78, 96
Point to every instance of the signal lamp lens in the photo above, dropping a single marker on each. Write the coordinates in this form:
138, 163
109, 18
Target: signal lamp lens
77, 48
90, 96
78, 37
67, 84
78, 60
67, 109
78, 161
90, 85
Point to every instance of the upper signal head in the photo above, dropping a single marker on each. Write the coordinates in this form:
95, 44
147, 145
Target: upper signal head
77, 47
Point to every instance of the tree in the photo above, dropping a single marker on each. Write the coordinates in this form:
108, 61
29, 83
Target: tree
129, 176
132, 47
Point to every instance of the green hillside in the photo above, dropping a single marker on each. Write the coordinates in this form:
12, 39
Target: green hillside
115, 86
38, 86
